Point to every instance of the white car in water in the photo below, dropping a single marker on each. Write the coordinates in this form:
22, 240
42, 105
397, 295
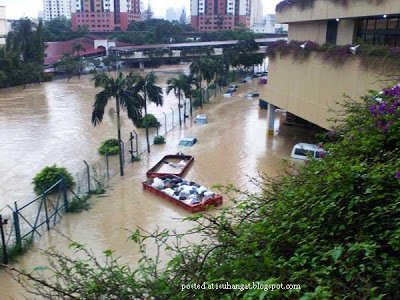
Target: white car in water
303, 151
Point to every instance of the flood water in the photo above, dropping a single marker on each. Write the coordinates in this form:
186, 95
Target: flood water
46, 124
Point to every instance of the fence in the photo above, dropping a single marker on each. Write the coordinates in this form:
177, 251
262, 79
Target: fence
21, 223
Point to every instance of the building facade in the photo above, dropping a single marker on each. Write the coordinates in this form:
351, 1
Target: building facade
219, 15
256, 16
313, 88
56, 8
3, 25
104, 15
269, 26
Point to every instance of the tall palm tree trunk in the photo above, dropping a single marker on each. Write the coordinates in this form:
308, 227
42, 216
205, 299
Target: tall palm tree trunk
191, 107
184, 111
179, 107
146, 125
201, 95
121, 165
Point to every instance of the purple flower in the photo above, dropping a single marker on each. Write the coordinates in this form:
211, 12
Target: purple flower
392, 92
397, 175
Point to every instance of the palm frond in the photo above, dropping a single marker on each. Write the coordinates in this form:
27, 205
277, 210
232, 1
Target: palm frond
99, 106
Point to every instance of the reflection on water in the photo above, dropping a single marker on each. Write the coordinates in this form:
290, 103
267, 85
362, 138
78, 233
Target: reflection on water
51, 123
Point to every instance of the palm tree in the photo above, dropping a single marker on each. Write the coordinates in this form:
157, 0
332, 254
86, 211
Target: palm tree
192, 81
203, 68
78, 48
121, 88
147, 89
179, 85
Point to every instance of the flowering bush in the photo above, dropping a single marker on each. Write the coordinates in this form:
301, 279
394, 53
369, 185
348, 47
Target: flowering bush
303, 4
371, 56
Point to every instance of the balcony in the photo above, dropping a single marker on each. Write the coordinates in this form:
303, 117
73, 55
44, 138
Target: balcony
327, 9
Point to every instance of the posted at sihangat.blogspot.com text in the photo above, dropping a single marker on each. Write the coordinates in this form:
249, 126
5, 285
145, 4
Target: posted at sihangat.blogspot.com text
240, 286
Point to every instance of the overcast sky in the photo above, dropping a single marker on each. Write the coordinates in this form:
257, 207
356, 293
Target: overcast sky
30, 8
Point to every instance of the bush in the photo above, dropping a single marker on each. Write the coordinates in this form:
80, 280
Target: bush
48, 176
109, 147
159, 139
151, 122
79, 204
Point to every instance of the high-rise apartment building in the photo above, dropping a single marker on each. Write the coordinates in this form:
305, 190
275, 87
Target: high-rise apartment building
104, 15
3, 25
56, 8
256, 17
218, 15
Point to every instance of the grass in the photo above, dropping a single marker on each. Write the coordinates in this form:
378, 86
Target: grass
14, 251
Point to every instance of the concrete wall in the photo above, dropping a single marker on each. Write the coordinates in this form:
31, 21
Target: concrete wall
308, 31
325, 9
316, 31
345, 34
310, 89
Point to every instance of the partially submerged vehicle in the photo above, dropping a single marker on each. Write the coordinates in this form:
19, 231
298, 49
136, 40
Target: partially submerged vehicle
173, 164
304, 151
188, 141
252, 95
186, 194
201, 119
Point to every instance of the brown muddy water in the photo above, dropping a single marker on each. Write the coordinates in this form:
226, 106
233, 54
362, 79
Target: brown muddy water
47, 124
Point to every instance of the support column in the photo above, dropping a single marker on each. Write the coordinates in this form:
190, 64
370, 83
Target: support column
271, 118
141, 65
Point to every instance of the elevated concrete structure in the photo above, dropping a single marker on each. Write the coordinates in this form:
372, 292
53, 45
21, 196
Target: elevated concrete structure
312, 88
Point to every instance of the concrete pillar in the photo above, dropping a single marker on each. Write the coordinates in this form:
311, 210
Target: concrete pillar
271, 118
141, 65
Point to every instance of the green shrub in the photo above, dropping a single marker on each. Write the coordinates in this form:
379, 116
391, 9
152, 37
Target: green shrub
48, 176
159, 139
150, 120
79, 204
109, 147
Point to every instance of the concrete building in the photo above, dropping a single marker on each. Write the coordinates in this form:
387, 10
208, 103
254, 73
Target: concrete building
256, 16
218, 15
3, 25
105, 15
268, 25
310, 88
56, 8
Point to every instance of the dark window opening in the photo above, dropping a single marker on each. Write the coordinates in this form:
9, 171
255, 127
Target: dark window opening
379, 31
331, 32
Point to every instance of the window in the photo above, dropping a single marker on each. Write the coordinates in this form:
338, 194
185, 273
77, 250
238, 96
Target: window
302, 152
331, 31
380, 31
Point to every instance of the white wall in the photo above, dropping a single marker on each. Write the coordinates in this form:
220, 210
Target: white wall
3, 25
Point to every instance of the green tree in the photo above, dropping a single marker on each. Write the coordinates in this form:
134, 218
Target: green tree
122, 89
68, 65
148, 90
204, 69
179, 85
60, 29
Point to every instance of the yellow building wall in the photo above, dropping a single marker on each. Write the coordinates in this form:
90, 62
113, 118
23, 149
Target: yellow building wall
345, 35
311, 89
325, 9
308, 31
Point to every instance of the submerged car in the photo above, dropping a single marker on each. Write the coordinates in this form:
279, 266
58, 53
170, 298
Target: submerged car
201, 119
252, 95
233, 87
188, 141
303, 151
